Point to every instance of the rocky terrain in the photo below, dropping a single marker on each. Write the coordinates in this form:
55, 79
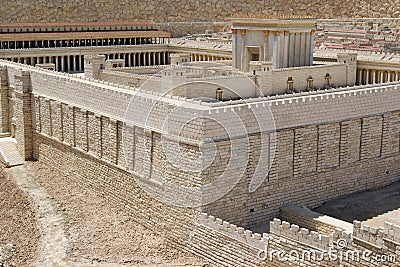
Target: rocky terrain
194, 10
18, 226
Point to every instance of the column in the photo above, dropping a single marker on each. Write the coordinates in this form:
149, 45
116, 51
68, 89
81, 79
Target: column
134, 59
129, 59
62, 63
56, 63
243, 65
308, 48
68, 63
154, 58
297, 49
266, 34
292, 39
382, 76
360, 81
302, 49
311, 59
373, 77
159, 58
286, 50
276, 49
396, 78
73, 63
78, 67
367, 76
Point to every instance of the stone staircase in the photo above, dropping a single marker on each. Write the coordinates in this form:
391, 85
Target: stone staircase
9, 153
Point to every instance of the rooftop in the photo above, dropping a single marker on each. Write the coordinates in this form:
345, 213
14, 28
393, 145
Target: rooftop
81, 35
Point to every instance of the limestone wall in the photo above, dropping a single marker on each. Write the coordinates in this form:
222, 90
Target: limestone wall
311, 220
301, 74
339, 140
199, 10
122, 78
288, 244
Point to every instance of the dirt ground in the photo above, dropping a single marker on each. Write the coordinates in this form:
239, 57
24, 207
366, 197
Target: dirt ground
18, 223
99, 232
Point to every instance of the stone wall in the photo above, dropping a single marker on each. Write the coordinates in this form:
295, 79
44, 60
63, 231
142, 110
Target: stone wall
288, 244
329, 143
311, 220
198, 10
299, 75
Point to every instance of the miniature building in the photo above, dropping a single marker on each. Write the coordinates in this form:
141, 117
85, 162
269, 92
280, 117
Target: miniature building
178, 58
233, 156
285, 42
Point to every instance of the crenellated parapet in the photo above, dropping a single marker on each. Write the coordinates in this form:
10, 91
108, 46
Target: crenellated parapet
387, 236
234, 232
301, 235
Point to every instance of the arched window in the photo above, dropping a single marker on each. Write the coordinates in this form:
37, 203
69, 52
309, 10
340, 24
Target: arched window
290, 84
328, 80
310, 82
219, 94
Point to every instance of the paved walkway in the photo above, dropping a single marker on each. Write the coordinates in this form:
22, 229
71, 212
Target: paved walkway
51, 222
372, 206
379, 221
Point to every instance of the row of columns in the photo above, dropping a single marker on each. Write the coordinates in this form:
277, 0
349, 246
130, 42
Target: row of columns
142, 58
82, 42
68, 63
284, 48
371, 76
293, 49
197, 57
75, 63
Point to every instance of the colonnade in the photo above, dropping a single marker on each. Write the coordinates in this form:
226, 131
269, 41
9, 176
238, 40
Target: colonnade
141, 58
284, 48
373, 76
200, 57
75, 63
82, 42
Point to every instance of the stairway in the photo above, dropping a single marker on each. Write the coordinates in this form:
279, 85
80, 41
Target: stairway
9, 153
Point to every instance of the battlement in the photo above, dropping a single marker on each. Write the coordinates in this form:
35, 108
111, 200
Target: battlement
302, 235
238, 233
112, 99
377, 236
309, 67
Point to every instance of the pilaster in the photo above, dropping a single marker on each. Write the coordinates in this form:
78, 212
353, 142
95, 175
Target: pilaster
4, 101
23, 114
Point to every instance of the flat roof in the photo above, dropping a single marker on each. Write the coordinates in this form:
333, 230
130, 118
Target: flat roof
81, 35
270, 23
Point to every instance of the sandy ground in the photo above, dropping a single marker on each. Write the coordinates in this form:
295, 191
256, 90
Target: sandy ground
18, 223
365, 205
99, 232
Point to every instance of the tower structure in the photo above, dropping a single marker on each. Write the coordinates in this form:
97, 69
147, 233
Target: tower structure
287, 42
